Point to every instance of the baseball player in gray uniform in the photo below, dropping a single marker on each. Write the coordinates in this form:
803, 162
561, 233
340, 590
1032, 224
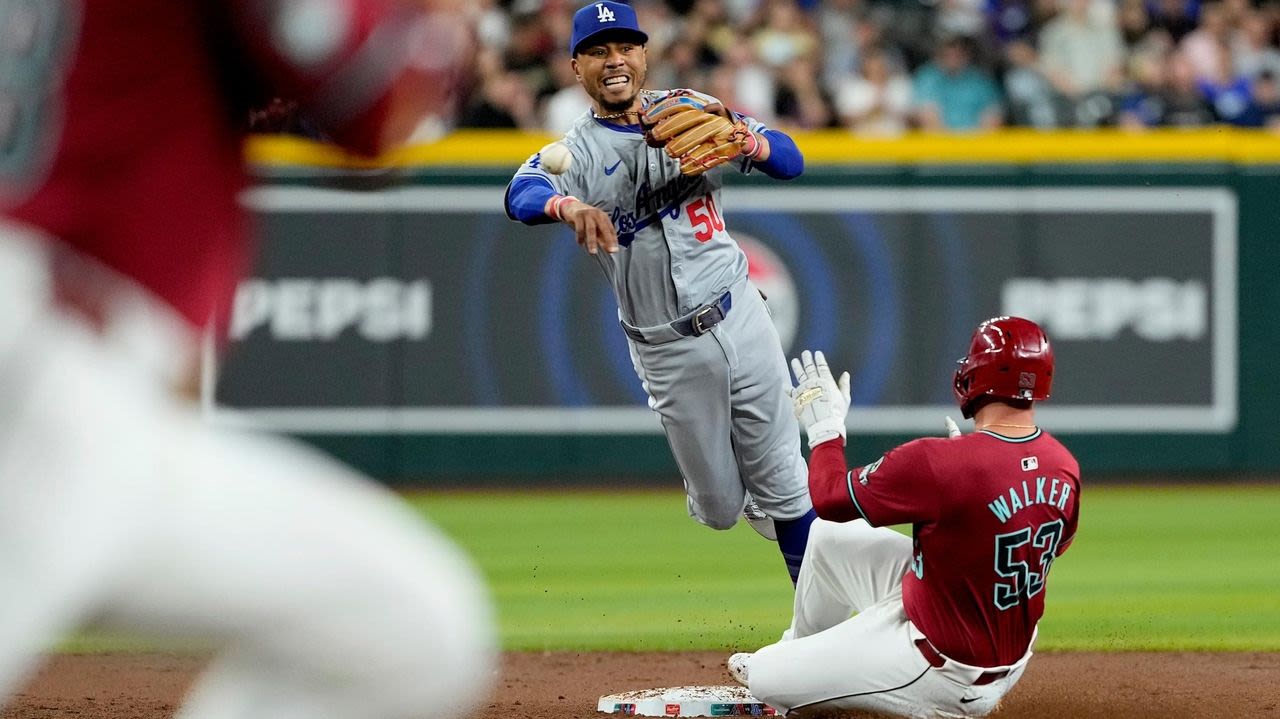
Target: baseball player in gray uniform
701, 338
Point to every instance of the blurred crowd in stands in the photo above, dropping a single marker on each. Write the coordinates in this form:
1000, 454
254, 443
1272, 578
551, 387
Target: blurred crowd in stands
882, 67
885, 66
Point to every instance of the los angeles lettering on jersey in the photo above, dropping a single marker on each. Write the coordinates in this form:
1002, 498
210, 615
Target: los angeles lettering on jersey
1058, 495
653, 206
666, 198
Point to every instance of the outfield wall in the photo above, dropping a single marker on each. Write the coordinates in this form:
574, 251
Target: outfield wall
397, 318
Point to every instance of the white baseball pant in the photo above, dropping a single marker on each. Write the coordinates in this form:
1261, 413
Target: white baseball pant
323, 594
828, 661
726, 414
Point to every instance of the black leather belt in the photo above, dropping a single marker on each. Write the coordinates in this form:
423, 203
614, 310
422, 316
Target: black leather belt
935, 659
692, 325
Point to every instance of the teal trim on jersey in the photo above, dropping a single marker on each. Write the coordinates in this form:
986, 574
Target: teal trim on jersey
848, 479
1013, 440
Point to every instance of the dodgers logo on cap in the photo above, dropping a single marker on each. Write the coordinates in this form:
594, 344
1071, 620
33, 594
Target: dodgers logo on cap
599, 18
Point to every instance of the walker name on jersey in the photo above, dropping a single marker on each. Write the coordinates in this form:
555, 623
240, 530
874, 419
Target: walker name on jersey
1156, 309
382, 309
1047, 491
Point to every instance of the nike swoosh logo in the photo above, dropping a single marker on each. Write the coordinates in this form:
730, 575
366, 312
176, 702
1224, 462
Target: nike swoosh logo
966, 700
610, 170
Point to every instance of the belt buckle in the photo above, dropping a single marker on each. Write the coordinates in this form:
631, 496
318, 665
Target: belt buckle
697, 327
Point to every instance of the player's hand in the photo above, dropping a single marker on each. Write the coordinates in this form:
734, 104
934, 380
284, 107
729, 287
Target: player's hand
717, 108
821, 403
952, 430
592, 226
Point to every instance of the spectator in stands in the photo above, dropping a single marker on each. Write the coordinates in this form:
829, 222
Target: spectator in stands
741, 12
563, 107
1236, 10
1264, 104
1083, 51
1083, 58
1134, 21
493, 25
960, 17
951, 93
1207, 48
722, 83
876, 101
1009, 20
1251, 50
503, 100
1230, 92
800, 101
1167, 96
754, 86
837, 22
1230, 95
557, 18
909, 28
1141, 105
784, 35
680, 66
656, 18
1031, 98
709, 25
1176, 17
529, 51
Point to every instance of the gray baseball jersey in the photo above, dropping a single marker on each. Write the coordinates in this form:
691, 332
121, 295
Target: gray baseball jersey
722, 395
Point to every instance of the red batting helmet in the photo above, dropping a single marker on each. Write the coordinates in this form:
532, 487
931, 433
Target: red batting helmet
1009, 357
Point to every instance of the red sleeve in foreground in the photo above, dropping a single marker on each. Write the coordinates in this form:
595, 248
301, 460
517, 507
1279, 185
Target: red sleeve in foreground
367, 71
829, 483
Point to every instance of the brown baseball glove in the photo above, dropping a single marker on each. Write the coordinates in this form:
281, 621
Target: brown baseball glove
699, 135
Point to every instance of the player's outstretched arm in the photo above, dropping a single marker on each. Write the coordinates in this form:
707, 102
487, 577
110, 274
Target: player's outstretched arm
593, 228
527, 199
533, 201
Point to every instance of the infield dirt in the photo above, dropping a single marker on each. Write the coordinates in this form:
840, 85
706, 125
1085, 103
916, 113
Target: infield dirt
566, 685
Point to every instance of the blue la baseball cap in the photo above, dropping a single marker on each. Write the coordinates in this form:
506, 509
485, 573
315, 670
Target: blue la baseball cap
600, 18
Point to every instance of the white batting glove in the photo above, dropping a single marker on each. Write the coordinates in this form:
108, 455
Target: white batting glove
952, 430
821, 403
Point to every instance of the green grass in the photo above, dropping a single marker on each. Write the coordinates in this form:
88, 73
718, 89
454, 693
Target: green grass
619, 570
1153, 568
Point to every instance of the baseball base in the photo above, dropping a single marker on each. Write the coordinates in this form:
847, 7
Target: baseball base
687, 701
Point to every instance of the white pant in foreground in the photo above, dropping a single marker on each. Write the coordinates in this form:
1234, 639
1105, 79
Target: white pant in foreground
326, 597
829, 661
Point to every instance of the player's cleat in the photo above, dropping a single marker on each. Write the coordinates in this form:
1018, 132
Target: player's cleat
738, 666
759, 521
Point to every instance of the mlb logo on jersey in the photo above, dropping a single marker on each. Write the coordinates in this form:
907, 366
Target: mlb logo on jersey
865, 475
1030, 463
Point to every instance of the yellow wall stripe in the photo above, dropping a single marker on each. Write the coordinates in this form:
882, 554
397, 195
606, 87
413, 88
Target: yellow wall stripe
502, 148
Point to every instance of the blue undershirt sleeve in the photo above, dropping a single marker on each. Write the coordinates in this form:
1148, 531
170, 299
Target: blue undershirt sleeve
526, 197
785, 161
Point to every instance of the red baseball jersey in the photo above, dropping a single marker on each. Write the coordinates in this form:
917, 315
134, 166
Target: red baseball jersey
990, 514
126, 117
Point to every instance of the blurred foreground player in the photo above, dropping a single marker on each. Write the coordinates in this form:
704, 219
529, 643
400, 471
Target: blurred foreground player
121, 239
945, 618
